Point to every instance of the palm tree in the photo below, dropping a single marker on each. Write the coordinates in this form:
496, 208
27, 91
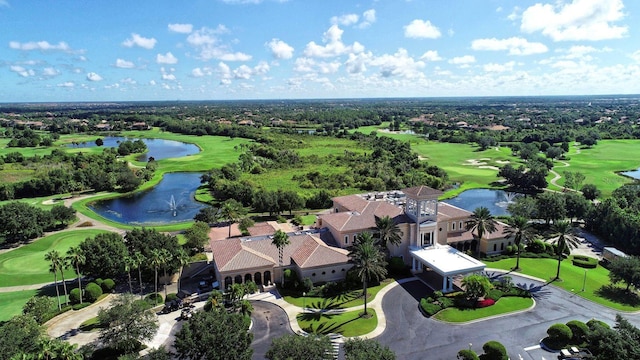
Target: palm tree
388, 232
139, 259
75, 256
231, 210
519, 229
129, 264
155, 260
165, 259
184, 259
368, 262
481, 221
280, 240
54, 257
565, 241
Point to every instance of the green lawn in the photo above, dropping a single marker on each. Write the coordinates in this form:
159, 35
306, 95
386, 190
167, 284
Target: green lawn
349, 299
348, 324
597, 285
26, 265
505, 305
11, 303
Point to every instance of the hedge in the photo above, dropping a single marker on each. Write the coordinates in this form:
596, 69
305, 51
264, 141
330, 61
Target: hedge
154, 299
585, 261
579, 330
429, 309
74, 296
92, 292
108, 285
494, 350
560, 334
466, 354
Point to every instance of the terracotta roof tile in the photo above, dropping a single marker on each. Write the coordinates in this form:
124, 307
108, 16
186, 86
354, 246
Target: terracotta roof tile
422, 191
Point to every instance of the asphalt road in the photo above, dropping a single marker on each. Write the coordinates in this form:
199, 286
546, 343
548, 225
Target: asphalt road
412, 336
269, 322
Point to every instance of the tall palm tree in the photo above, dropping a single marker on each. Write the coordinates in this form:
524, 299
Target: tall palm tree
388, 232
481, 222
129, 264
155, 260
519, 229
139, 259
54, 257
232, 210
184, 259
75, 257
165, 259
368, 261
565, 241
280, 240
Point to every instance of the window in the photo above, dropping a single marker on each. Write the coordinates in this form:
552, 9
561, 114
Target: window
314, 274
460, 225
501, 246
354, 237
324, 273
495, 247
426, 239
333, 271
453, 226
346, 239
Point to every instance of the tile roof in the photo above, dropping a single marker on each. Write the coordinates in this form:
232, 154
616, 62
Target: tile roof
448, 212
313, 253
422, 191
362, 218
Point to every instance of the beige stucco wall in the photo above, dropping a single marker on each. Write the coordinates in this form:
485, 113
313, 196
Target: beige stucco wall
319, 274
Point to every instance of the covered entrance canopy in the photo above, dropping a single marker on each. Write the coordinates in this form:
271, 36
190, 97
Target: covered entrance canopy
446, 261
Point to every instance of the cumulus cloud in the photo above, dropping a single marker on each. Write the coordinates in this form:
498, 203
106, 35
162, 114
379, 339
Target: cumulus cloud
68, 84
198, 72
368, 18
93, 77
345, 20
493, 67
243, 72
167, 74
515, 46
50, 72
167, 58
280, 49
40, 46
636, 56
22, 71
334, 45
124, 64
399, 64
421, 29
304, 64
209, 45
578, 20
137, 40
181, 28
431, 55
463, 60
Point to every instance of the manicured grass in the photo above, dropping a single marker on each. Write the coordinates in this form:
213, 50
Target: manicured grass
11, 303
597, 286
309, 219
348, 324
346, 300
26, 265
505, 305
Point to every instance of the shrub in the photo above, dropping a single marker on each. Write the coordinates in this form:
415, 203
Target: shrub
593, 323
171, 297
494, 294
445, 302
154, 299
396, 266
579, 330
280, 219
80, 306
199, 257
466, 354
586, 262
92, 292
536, 247
98, 281
74, 296
108, 285
485, 303
429, 309
494, 350
86, 224
290, 278
560, 334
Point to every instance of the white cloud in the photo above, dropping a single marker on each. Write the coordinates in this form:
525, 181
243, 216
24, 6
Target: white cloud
280, 49
181, 28
197, 72
243, 72
398, 64
515, 45
345, 20
167, 58
369, 17
421, 29
40, 46
578, 20
357, 63
152, 82
50, 72
207, 42
237, 56
334, 45
636, 56
463, 60
22, 71
68, 84
93, 77
124, 64
137, 40
431, 55
170, 77
492, 67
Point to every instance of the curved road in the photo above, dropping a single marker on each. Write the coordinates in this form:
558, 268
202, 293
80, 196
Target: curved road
412, 336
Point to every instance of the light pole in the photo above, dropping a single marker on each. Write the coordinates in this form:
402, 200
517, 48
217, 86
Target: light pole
304, 301
470, 344
584, 281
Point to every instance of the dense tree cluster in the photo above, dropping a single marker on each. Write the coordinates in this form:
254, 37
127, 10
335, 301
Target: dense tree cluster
22, 222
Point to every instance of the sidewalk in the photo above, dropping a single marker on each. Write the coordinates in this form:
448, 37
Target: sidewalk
292, 310
65, 325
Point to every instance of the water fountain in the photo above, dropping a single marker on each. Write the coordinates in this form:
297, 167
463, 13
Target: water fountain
506, 198
173, 207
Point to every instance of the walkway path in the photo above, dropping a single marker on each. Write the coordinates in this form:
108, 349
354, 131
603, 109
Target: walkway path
65, 326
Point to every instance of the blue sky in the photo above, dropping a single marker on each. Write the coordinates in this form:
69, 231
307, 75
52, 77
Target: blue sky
73, 50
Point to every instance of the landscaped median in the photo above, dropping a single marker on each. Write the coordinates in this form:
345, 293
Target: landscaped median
348, 324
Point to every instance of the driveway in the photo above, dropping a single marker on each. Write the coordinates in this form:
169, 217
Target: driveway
270, 321
412, 336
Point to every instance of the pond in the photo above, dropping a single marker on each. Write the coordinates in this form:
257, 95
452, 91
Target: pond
495, 200
633, 174
171, 201
158, 148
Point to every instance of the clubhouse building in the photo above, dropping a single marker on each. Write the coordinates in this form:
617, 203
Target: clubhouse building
434, 239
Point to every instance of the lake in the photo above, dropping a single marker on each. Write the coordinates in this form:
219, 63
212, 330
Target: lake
495, 200
634, 174
171, 201
158, 148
